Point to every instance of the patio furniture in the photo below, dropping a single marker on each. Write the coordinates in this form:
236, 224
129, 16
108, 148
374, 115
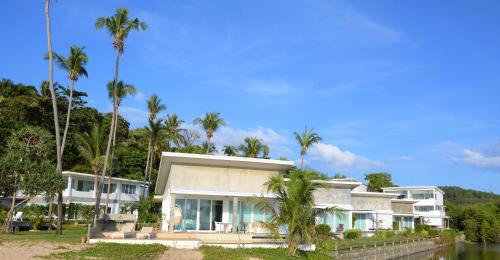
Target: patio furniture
221, 227
146, 232
18, 216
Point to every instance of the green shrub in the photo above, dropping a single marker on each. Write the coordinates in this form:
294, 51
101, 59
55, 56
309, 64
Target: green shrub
395, 225
448, 236
422, 227
323, 230
352, 233
434, 232
384, 234
408, 232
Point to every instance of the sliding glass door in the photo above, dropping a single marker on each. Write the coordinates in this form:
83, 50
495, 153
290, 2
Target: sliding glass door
210, 212
189, 208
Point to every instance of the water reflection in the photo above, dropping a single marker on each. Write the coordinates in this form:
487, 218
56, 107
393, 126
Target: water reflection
461, 251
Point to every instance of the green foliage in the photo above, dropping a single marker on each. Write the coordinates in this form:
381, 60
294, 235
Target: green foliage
422, 227
217, 253
81, 212
71, 235
384, 234
113, 251
352, 233
480, 222
457, 195
323, 230
376, 181
395, 225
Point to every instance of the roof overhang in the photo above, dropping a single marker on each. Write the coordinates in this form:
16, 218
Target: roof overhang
88, 175
169, 158
413, 188
374, 194
350, 183
404, 201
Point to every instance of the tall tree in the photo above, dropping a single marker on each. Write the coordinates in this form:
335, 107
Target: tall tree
305, 140
210, 123
154, 106
122, 90
74, 66
376, 181
155, 132
91, 147
294, 207
230, 150
118, 26
54, 110
253, 147
174, 131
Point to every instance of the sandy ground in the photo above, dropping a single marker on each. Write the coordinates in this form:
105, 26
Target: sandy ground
24, 250
183, 254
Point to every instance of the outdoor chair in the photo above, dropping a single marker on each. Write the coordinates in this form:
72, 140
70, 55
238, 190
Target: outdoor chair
146, 232
18, 216
127, 231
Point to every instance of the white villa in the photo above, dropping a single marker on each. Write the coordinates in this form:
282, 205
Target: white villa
198, 193
428, 207
80, 189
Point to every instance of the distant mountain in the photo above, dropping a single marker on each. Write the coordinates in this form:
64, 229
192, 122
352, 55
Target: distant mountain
457, 195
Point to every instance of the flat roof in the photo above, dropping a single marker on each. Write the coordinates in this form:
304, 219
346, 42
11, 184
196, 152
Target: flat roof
351, 183
169, 158
373, 194
414, 188
106, 177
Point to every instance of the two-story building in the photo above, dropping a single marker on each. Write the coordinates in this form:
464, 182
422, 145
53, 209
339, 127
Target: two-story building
428, 203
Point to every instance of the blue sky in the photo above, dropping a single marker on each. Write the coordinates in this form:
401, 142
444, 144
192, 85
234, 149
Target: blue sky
407, 87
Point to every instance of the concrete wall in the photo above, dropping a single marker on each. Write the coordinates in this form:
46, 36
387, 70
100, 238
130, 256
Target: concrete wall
371, 203
218, 178
402, 208
332, 196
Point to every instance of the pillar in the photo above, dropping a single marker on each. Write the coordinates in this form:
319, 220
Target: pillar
235, 214
171, 213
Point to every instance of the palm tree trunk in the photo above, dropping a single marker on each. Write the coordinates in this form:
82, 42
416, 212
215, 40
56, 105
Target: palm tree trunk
208, 144
112, 157
51, 201
110, 138
56, 119
147, 166
67, 116
151, 164
301, 161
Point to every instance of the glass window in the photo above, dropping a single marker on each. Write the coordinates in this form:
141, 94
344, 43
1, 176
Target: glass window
112, 188
84, 186
341, 218
188, 209
359, 220
128, 188
424, 208
423, 196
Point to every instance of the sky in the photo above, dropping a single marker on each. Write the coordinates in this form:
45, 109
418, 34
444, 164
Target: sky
411, 88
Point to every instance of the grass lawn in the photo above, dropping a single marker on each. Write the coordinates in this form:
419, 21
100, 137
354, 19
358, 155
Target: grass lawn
216, 253
71, 234
112, 251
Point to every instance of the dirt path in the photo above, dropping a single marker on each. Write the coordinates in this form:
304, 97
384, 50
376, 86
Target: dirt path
183, 254
26, 250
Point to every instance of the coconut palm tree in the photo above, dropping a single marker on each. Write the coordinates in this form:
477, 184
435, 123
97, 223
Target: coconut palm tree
253, 147
91, 147
118, 26
174, 131
210, 123
208, 148
293, 207
54, 110
74, 66
155, 132
122, 91
305, 140
154, 106
230, 150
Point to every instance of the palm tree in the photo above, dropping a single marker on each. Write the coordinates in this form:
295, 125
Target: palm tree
230, 150
293, 207
122, 90
56, 119
211, 122
253, 147
74, 66
154, 106
208, 148
91, 147
118, 26
265, 152
155, 133
305, 140
174, 131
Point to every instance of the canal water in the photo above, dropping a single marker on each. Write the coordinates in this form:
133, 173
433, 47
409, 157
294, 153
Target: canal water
461, 251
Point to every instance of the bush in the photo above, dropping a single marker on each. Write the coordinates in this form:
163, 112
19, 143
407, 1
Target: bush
448, 236
352, 233
408, 232
434, 232
422, 227
395, 225
323, 230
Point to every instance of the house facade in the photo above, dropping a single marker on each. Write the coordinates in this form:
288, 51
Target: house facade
428, 203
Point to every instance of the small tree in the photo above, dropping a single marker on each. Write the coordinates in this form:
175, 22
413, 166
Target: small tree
376, 181
28, 166
293, 208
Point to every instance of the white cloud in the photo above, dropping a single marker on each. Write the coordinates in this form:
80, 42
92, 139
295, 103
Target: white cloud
339, 159
268, 89
136, 117
479, 159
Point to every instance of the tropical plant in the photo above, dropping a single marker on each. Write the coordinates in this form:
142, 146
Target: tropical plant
91, 146
253, 147
230, 150
293, 208
305, 140
118, 26
174, 131
210, 123
155, 132
155, 106
55, 114
376, 181
74, 66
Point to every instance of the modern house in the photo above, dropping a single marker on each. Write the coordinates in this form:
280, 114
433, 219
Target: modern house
80, 189
428, 205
